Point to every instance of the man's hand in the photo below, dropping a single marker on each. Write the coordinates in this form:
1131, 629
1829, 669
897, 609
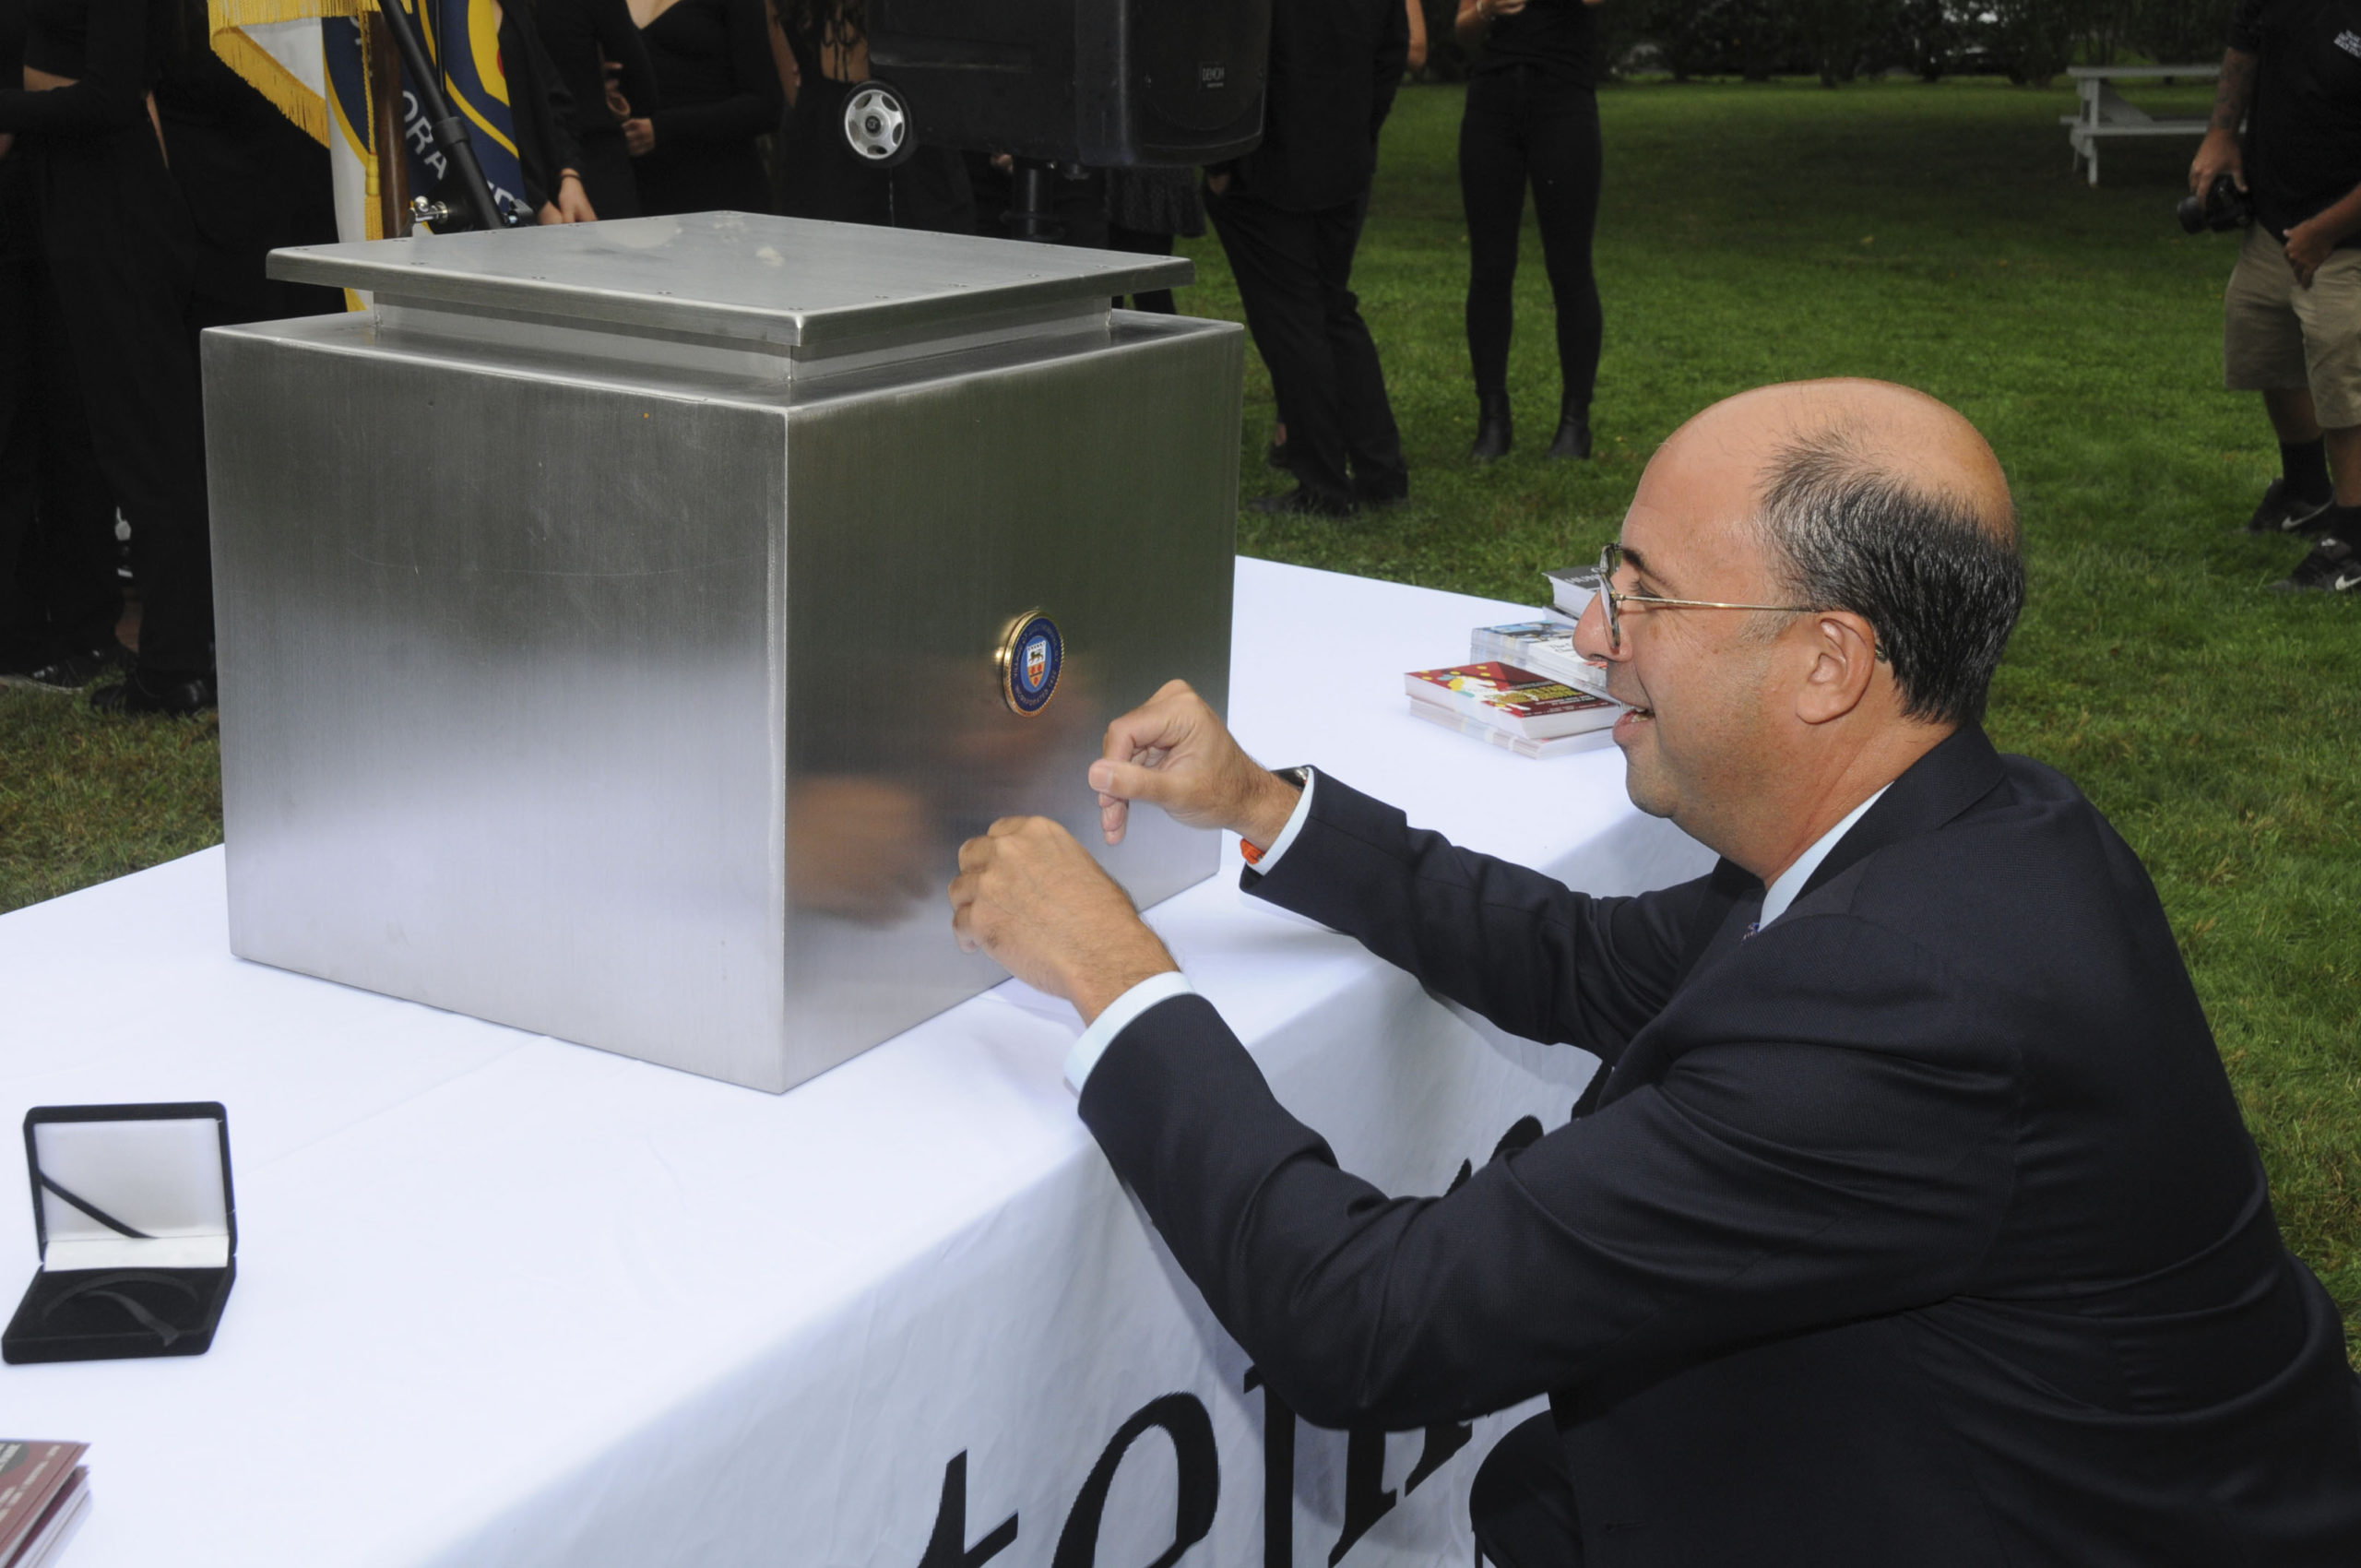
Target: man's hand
2310, 243
1034, 899
2217, 155
1176, 753
639, 136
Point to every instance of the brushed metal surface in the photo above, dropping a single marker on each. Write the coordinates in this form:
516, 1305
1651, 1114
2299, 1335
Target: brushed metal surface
647, 711
757, 281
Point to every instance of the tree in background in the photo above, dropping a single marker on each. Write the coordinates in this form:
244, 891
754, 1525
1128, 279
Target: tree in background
2030, 41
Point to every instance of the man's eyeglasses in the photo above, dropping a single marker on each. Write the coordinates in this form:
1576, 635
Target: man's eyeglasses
1610, 561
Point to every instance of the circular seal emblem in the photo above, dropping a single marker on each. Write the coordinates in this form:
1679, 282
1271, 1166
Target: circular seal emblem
1030, 656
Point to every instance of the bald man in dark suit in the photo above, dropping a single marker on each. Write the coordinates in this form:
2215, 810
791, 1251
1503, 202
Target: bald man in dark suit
1915, 1222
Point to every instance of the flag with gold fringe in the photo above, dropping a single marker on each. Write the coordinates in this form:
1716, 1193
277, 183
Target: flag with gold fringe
312, 58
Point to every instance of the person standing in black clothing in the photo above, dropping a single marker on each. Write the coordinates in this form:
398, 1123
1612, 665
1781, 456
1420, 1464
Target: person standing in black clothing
721, 90
59, 598
579, 35
59, 595
1289, 216
2292, 312
122, 254
1532, 114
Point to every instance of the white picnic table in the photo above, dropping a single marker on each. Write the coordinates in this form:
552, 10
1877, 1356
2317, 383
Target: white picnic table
2105, 112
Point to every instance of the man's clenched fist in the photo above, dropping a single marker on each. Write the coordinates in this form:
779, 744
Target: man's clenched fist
1034, 899
1175, 751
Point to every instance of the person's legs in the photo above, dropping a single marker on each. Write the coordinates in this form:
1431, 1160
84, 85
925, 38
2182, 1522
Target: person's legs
117, 247
1372, 441
1273, 255
1491, 191
1523, 1503
2263, 351
69, 561
1564, 154
2329, 312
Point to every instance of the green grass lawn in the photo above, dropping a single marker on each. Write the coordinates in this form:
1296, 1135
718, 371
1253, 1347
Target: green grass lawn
1754, 233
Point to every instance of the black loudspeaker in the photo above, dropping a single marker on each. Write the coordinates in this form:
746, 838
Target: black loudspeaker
1110, 83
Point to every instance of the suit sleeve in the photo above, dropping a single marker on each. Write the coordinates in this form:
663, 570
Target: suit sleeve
1807, 1161
1540, 960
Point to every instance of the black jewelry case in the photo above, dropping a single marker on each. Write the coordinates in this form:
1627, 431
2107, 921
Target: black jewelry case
138, 1227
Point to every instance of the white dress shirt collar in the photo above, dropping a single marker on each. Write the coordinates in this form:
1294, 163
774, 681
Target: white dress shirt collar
1790, 882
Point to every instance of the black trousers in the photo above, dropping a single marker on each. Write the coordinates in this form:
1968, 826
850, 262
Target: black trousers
121, 253
1522, 125
1294, 271
58, 591
1523, 1503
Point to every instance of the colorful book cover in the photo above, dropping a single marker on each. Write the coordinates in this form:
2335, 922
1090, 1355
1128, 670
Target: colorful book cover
1509, 698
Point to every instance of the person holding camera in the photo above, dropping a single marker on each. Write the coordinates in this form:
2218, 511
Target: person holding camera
2292, 313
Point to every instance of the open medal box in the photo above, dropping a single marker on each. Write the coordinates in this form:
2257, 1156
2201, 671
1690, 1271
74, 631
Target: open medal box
137, 1228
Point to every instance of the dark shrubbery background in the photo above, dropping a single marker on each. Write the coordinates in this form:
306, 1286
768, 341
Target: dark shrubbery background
2026, 41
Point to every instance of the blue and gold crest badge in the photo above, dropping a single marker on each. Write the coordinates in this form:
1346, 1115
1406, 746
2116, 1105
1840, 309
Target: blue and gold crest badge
1030, 656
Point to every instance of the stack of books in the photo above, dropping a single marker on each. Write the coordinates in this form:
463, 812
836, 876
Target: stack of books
1546, 647
45, 1491
1527, 713
1524, 686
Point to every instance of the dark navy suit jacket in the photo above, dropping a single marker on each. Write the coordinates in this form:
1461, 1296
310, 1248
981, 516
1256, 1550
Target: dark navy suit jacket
1917, 1229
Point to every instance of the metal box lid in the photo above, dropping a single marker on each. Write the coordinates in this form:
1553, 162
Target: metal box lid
784, 286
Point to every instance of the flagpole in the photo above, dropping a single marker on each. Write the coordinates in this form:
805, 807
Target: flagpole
385, 129
450, 133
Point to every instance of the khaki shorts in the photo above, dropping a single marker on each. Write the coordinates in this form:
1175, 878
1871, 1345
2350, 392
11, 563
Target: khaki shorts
2276, 336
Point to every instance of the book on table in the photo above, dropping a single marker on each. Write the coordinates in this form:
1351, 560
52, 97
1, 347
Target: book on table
45, 1491
1571, 590
1510, 699
1540, 751
1545, 647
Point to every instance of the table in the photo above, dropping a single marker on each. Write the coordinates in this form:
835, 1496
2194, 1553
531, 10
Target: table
2105, 114
505, 1300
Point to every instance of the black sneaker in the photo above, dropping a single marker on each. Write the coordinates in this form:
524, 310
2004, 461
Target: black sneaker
2279, 514
2333, 567
68, 672
175, 696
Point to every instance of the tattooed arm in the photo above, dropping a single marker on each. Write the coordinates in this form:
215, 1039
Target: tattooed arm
2219, 153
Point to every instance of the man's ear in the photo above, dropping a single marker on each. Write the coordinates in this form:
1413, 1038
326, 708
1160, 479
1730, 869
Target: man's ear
1844, 651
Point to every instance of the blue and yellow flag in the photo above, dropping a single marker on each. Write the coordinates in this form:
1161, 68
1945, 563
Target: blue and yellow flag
309, 58
462, 38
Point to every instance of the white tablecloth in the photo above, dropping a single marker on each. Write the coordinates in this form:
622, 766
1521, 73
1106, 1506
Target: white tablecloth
503, 1299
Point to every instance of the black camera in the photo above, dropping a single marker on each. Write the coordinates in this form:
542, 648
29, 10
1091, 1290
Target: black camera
2222, 209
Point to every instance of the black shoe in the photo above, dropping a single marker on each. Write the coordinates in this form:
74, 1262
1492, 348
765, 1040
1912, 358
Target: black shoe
1573, 432
2280, 514
175, 696
1303, 501
2333, 567
69, 670
1494, 430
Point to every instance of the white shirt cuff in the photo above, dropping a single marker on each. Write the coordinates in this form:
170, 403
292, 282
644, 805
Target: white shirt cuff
1296, 819
1118, 1017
